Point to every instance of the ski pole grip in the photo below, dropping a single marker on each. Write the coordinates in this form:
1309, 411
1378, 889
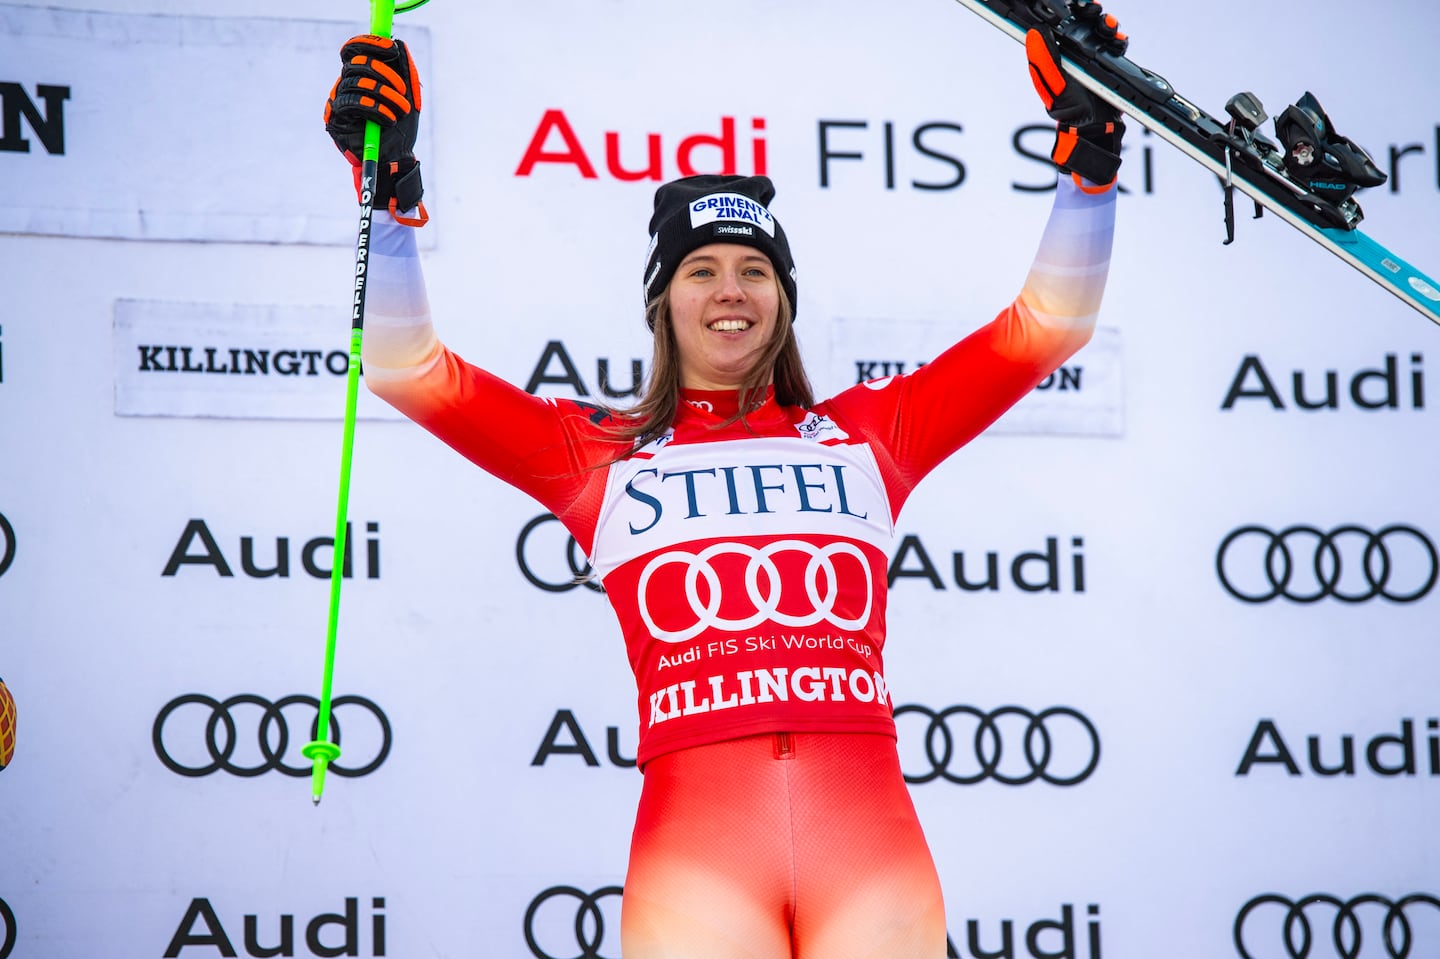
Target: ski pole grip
382, 24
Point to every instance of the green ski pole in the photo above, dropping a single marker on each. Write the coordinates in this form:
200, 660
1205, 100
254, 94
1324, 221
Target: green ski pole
321, 751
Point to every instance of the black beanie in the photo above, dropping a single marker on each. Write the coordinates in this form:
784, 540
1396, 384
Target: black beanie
698, 210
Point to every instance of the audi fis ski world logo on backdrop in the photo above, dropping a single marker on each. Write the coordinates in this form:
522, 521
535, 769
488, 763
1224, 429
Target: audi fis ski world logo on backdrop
7, 929
1010, 745
1323, 926
1348, 563
7, 544
247, 735
563, 919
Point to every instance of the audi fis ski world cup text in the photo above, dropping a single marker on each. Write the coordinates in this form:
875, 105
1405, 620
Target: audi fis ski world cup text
928, 156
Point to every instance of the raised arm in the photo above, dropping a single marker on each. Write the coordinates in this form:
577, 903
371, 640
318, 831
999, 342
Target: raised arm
527, 441
921, 418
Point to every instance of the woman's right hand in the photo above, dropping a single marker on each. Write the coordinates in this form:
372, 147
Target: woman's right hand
379, 84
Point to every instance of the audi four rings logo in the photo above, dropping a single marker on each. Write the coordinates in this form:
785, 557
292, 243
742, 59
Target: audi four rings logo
7, 929
1409, 926
764, 584
551, 911
7, 544
1058, 745
206, 737
1305, 564
577, 570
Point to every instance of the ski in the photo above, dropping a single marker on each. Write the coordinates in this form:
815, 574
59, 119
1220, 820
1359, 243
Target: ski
1308, 178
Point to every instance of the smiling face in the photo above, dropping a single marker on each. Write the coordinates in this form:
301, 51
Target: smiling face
724, 306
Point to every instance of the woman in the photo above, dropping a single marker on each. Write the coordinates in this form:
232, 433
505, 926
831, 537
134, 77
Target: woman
741, 531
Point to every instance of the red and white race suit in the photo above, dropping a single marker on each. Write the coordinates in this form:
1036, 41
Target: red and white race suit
746, 565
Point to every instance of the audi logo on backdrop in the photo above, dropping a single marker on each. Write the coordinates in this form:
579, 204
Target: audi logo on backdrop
247, 735
556, 564
1306, 564
563, 919
965, 745
7, 929
7, 544
1364, 925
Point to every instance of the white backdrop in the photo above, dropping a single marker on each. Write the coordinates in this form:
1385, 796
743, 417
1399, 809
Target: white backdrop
175, 260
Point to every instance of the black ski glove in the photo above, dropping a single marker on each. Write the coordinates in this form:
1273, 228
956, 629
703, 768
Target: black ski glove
1088, 130
378, 82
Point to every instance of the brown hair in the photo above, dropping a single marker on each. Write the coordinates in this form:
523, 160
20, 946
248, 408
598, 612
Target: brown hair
779, 365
